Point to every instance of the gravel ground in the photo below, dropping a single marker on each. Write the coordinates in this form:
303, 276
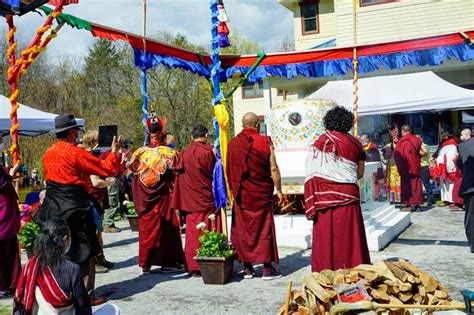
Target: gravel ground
435, 241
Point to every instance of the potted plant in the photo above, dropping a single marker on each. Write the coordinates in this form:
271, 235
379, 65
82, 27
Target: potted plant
132, 216
27, 236
215, 255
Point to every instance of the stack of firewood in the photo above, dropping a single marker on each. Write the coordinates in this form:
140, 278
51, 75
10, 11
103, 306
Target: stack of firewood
386, 282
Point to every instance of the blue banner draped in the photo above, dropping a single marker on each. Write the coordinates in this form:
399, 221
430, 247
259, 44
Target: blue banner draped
318, 69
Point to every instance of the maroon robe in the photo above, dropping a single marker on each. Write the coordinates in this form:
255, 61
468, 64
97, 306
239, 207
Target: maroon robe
10, 267
332, 201
193, 195
408, 160
159, 235
248, 171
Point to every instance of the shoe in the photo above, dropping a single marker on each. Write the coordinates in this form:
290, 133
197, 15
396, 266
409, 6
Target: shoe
146, 271
454, 207
97, 300
105, 263
111, 229
100, 269
405, 209
429, 203
271, 275
196, 274
248, 273
8, 294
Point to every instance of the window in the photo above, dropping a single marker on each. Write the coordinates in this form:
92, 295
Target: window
283, 92
309, 17
371, 2
252, 90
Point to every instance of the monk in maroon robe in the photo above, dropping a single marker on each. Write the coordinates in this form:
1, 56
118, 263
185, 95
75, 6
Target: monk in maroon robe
159, 235
193, 193
252, 172
335, 163
408, 160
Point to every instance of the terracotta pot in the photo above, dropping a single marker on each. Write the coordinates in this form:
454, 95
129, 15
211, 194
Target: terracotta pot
216, 270
134, 222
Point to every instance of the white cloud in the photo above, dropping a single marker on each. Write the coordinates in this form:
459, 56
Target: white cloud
263, 21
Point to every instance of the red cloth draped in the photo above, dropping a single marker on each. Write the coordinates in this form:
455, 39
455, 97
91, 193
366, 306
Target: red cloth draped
408, 160
192, 235
193, 184
10, 263
32, 275
66, 2
323, 193
248, 171
339, 239
159, 235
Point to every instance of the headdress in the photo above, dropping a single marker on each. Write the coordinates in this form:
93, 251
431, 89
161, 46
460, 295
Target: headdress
154, 124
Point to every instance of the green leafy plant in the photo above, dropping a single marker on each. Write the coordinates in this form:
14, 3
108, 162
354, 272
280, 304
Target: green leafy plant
213, 244
131, 208
27, 234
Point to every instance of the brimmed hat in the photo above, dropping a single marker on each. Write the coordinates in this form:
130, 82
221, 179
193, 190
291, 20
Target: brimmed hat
63, 123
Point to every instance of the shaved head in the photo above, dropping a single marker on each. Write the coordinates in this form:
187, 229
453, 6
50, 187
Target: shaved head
249, 120
406, 128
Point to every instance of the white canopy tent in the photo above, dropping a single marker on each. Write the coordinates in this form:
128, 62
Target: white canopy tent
33, 122
422, 91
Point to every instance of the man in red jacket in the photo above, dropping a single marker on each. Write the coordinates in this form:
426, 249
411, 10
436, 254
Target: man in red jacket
193, 192
408, 159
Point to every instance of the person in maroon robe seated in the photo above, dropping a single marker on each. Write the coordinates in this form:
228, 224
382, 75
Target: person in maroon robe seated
408, 160
159, 235
9, 226
192, 192
336, 161
253, 173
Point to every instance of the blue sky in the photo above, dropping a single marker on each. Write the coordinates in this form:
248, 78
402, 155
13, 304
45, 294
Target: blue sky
263, 21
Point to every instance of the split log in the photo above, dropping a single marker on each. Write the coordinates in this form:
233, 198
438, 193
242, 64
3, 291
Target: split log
428, 282
397, 272
316, 288
440, 294
405, 287
408, 267
404, 297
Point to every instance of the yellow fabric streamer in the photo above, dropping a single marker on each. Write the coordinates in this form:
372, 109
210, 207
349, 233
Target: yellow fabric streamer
223, 119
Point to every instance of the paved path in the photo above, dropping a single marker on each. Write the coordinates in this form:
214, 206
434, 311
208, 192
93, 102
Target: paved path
435, 242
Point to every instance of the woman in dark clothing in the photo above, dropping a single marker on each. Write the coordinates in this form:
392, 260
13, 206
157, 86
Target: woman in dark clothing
59, 280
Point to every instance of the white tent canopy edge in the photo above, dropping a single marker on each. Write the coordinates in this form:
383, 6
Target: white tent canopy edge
421, 91
33, 122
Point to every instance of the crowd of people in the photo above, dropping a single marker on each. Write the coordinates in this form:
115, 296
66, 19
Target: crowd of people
170, 189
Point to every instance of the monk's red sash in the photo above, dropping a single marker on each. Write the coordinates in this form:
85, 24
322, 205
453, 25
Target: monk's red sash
32, 275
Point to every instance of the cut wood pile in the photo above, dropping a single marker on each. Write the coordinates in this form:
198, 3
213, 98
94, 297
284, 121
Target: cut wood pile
386, 282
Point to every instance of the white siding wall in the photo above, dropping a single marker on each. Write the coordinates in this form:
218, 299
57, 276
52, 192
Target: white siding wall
242, 106
387, 22
406, 19
327, 26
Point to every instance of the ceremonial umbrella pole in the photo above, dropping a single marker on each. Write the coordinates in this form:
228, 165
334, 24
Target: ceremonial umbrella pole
221, 118
17, 67
144, 76
355, 64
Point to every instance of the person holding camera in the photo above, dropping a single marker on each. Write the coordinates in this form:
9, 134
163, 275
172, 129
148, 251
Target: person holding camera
67, 168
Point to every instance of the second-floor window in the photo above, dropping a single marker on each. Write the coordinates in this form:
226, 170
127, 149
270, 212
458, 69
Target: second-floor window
252, 90
309, 17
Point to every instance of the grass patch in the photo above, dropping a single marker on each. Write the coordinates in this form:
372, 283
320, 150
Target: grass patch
5, 310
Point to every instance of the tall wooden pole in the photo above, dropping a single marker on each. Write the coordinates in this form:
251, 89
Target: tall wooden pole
355, 64
144, 77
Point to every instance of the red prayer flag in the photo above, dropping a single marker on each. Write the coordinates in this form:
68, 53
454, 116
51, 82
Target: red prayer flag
66, 2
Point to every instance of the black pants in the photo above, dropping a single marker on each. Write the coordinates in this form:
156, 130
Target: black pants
469, 219
425, 177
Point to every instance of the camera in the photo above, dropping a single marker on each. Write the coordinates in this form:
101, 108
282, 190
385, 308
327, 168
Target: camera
126, 143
